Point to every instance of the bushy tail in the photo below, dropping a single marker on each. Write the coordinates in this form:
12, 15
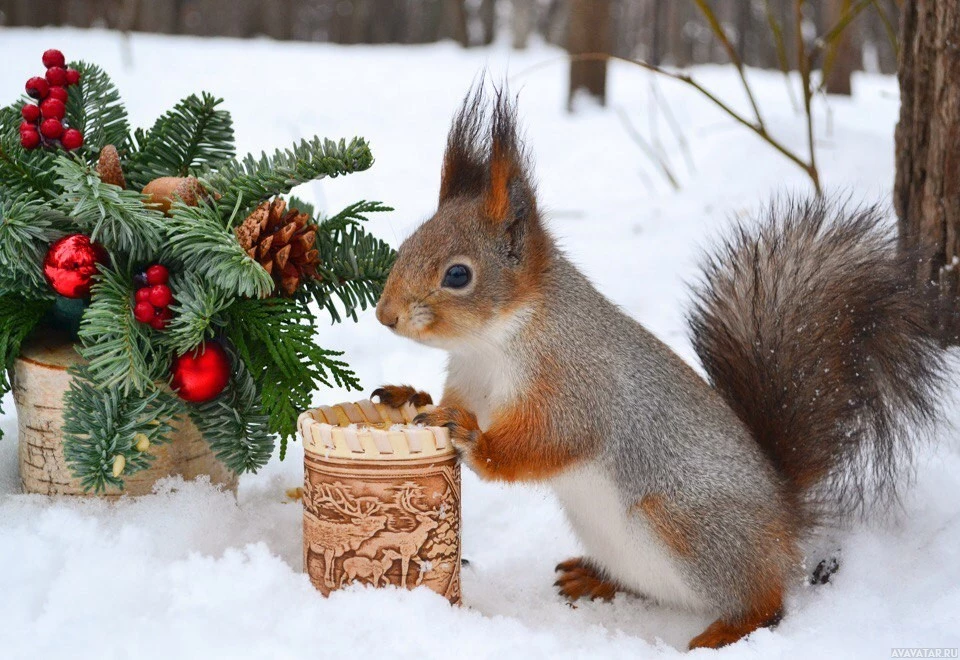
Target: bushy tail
812, 327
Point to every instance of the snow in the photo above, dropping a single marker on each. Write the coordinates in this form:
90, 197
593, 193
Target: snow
191, 572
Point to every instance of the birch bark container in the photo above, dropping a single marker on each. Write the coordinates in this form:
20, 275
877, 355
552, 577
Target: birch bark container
381, 500
40, 380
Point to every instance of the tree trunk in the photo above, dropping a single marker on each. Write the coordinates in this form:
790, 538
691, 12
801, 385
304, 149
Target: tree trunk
588, 32
523, 21
927, 187
843, 56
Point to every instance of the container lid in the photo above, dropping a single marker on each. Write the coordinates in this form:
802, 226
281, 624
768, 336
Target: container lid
368, 430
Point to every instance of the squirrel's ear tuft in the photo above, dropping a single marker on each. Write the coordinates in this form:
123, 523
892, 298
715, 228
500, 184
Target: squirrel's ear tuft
509, 197
464, 162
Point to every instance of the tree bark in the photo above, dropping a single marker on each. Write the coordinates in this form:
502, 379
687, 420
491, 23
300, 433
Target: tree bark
927, 186
589, 31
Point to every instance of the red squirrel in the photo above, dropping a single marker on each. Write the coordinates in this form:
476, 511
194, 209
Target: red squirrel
814, 336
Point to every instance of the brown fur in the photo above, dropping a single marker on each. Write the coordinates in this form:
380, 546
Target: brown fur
816, 334
580, 579
674, 528
396, 396
722, 632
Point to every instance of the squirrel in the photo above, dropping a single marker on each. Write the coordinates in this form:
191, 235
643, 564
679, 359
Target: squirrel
823, 372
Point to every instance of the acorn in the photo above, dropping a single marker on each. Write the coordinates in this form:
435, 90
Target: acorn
164, 191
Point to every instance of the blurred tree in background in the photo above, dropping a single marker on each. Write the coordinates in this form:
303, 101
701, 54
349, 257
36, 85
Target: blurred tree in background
669, 32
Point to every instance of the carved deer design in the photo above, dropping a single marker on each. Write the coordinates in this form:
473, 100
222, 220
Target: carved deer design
368, 569
407, 543
333, 537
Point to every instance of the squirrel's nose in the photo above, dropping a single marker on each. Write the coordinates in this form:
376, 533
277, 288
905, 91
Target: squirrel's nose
387, 316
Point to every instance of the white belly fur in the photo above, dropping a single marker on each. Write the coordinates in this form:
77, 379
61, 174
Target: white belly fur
618, 540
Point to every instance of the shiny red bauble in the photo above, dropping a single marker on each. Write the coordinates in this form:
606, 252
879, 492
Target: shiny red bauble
201, 374
71, 263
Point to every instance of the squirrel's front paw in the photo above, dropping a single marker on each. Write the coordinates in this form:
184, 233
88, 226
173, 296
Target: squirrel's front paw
461, 424
581, 579
396, 396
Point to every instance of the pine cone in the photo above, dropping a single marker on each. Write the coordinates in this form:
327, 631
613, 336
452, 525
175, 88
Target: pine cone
108, 166
282, 242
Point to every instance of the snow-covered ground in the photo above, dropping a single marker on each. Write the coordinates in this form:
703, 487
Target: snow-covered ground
192, 572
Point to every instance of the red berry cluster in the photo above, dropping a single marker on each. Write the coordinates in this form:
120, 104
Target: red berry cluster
43, 123
153, 298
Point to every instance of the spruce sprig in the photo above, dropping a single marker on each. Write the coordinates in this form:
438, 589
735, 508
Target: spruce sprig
235, 425
197, 313
275, 339
95, 109
27, 228
101, 422
113, 217
193, 135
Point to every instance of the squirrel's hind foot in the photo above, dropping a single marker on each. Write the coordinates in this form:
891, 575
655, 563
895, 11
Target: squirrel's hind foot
397, 396
580, 579
722, 633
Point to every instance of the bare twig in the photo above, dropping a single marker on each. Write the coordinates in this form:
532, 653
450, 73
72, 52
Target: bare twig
721, 36
834, 33
803, 62
761, 131
776, 29
672, 123
647, 149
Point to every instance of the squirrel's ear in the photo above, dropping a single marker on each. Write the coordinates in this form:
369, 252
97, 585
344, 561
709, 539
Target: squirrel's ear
509, 198
464, 162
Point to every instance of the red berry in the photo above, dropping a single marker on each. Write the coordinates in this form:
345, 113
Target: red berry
72, 139
52, 108
144, 312
73, 77
159, 321
57, 75
160, 295
30, 112
59, 93
51, 128
53, 57
28, 126
29, 139
37, 87
157, 274
143, 295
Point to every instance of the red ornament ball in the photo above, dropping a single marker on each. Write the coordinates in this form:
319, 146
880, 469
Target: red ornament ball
157, 274
71, 263
201, 374
38, 87
53, 57
59, 93
52, 108
30, 112
73, 76
51, 128
57, 75
143, 311
29, 139
72, 139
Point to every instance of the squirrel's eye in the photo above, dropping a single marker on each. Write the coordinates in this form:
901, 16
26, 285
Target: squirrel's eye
457, 277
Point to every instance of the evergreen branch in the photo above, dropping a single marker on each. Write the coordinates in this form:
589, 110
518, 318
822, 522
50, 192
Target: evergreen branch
116, 345
22, 172
199, 242
95, 109
235, 425
275, 339
196, 313
352, 215
101, 422
191, 136
353, 269
18, 317
113, 217
244, 184
26, 230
